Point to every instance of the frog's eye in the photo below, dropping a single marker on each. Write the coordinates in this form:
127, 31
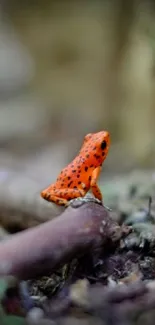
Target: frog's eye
103, 145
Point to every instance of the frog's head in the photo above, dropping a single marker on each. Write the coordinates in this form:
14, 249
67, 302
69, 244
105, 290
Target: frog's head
103, 140
97, 145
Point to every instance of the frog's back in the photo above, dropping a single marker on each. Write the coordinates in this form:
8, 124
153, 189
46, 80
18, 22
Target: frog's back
91, 155
71, 176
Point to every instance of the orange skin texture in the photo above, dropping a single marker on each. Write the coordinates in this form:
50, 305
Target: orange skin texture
82, 173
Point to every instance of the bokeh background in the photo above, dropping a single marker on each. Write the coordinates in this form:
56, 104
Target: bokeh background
68, 68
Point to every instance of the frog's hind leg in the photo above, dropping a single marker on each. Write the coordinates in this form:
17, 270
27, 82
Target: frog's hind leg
62, 196
55, 199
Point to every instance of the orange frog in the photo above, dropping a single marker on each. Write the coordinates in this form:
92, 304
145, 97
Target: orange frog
82, 173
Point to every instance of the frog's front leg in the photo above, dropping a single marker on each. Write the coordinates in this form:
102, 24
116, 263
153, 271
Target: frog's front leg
93, 183
63, 196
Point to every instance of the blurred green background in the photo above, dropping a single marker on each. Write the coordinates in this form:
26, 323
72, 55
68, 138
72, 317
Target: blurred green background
68, 68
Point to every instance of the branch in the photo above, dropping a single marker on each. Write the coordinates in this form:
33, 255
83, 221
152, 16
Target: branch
40, 250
